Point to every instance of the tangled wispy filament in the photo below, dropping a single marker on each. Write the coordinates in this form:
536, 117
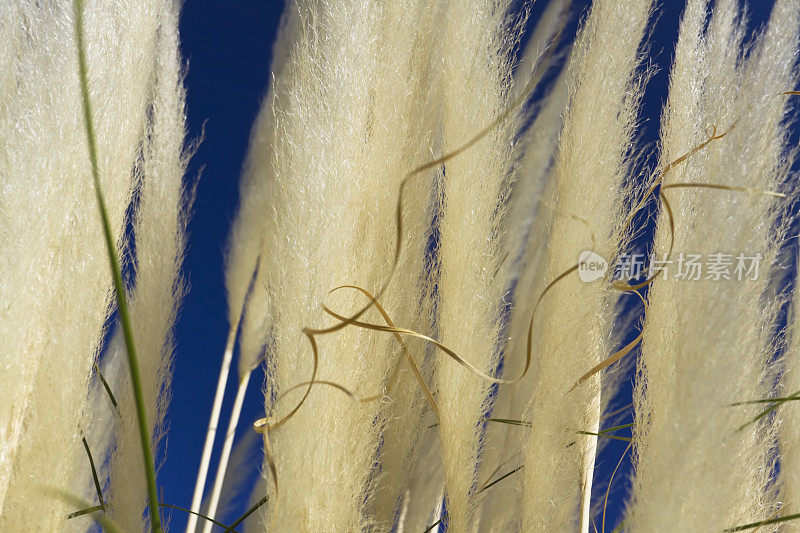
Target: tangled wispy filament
267, 424
264, 424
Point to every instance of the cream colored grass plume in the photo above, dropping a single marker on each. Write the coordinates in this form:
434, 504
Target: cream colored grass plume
56, 283
707, 343
248, 240
789, 428
340, 153
160, 240
477, 67
504, 441
406, 414
362, 94
590, 170
525, 225
538, 144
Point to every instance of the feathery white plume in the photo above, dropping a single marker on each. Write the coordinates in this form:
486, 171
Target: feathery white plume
340, 152
708, 342
56, 284
476, 50
158, 228
574, 318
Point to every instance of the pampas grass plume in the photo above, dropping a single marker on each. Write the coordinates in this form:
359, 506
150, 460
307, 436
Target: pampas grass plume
420, 182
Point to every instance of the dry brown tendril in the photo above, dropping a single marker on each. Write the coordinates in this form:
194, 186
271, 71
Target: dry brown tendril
265, 425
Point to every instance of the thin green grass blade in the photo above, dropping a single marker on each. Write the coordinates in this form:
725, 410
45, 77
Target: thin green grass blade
485, 487
776, 402
501, 478
94, 474
617, 428
250, 511
220, 524
97, 508
606, 435
509, 421
119, 289
82, 512
764, 523
763, 413
107, 387
767, 400
430, 527
97, 513
603, 433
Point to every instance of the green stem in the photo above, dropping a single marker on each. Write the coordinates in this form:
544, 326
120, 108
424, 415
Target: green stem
606, 435
501, 478
764, 523
616, 428
794, 397
247, 513
108, 389
430, 527
97, 487
215, 522
509, 421
230, 528
82, 512
777, 403
119, 289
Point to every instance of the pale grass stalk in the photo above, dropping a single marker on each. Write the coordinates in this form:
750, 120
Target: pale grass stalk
245, 245
238, 476
219, 480
211, 432
573, 328
423, 500
56, 291
401, 516
708, 343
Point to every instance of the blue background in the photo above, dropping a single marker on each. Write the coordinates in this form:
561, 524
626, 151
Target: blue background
227, 46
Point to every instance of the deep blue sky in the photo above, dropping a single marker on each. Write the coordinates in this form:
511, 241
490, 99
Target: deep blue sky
227, 46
